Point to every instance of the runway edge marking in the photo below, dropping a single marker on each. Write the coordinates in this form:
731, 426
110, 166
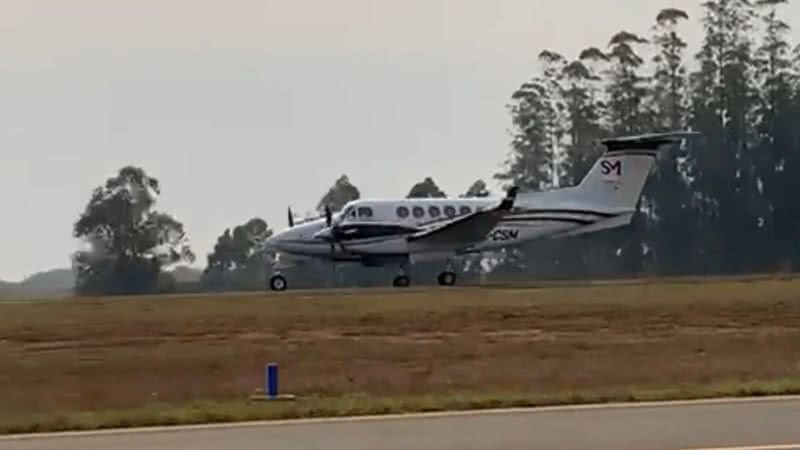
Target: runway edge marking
416, 416
750, 447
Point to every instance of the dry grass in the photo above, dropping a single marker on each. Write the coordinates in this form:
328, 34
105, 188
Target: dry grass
109, 354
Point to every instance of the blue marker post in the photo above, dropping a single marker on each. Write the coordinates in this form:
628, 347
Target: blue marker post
271, 385
271, 388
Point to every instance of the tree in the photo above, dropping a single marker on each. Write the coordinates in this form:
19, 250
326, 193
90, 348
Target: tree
477, 189
627, 88
628, 114
426, 188
238, 260
670, 93
722, 108
536, 129
128, 242
778, 164
672, 227
338, 195
585, 109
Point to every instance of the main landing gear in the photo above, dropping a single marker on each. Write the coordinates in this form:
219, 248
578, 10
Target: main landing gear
448, 276
445, 278
277, 282
401, 281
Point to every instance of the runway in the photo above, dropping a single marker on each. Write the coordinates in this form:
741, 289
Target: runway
744, 424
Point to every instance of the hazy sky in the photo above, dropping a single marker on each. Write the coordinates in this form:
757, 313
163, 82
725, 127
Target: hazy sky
242, 107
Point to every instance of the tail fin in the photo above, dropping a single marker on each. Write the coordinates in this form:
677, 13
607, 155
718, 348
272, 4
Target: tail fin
617, 178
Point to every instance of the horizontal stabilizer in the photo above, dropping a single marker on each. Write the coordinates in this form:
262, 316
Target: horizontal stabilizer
651, 141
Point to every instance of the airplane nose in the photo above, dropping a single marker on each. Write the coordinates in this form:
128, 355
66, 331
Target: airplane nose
273, 242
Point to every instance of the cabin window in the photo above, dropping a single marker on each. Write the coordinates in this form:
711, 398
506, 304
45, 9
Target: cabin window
402, 212
418, 212
365, 212
449, 211
434, 211
465, 210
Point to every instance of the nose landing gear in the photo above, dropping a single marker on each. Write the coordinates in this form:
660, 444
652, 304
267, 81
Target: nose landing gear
402, 279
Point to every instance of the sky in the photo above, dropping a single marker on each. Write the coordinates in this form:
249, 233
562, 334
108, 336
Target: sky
242, 108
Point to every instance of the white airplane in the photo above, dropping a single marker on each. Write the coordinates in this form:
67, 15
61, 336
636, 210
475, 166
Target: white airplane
375, 232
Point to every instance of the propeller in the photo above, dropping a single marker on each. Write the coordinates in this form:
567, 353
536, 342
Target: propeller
291, 217
334, 230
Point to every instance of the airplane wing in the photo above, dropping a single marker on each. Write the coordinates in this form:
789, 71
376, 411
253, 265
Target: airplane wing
464, 230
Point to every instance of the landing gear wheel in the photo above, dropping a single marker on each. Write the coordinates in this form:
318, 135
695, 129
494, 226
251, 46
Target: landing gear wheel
401, 281
447, 278
277, 283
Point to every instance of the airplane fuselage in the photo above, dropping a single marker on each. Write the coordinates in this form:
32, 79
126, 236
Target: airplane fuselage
374, 230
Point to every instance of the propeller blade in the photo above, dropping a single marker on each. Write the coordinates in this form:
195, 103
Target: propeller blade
291, 218
328, 216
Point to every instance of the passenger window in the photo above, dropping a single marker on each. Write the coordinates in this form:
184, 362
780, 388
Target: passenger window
449, 211
465, 210
418, 212
402, 212
434, 211
365, 212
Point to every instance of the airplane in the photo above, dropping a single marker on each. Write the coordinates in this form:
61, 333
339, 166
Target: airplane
379, 232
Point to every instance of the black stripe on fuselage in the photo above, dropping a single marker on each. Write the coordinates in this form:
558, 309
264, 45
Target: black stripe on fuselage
366, 233
521, 210
586, 212
573, 220
373, 231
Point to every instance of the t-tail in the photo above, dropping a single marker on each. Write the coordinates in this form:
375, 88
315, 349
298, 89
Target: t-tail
607, 196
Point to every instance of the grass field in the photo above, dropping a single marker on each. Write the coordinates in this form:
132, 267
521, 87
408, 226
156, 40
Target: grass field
133, 361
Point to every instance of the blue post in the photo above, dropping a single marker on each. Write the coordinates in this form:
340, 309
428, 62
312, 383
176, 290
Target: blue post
272, 380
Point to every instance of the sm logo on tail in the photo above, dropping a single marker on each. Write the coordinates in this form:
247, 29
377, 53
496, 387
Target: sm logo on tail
611, 168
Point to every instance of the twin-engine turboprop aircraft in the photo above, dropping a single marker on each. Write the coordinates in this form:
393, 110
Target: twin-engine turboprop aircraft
376, 232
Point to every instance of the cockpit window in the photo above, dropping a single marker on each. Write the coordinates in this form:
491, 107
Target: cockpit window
349, 213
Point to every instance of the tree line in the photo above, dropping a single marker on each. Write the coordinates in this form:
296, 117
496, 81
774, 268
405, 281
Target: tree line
724, 204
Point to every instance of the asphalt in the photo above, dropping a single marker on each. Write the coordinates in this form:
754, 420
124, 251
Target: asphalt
745, 424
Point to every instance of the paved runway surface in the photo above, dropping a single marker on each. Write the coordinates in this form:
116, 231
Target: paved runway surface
768, 424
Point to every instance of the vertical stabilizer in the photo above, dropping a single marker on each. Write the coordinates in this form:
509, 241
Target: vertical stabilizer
617, 178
